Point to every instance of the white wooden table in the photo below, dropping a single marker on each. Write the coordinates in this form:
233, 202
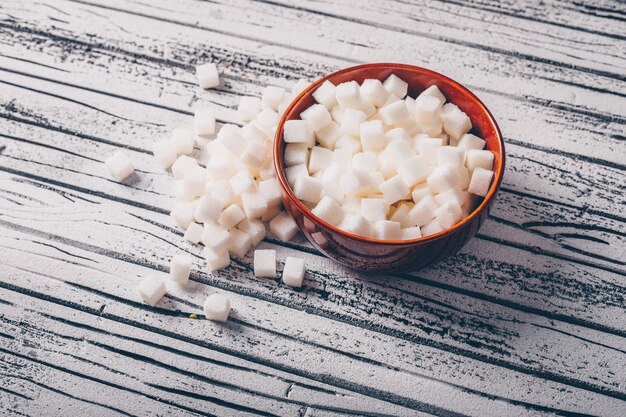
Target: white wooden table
529, 319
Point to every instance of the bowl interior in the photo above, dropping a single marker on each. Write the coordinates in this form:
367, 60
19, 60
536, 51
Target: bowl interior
483, 125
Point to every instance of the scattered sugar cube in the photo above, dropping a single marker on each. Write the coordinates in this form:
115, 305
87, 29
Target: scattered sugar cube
165, 153
480, 182
242, 182
240, 243
120, 165
265, 263
193, 233
293, 271
182, 214
329, 211
183, 140
215, 237
299, 86
254, 204
267, 120
151, 289
231, 216
180, 267
230, 137
207, 74
217, 307
195, 181
204, 121
248, 108
255, 154
208, 209
479, 159
216, 259
253, 133
253, 228
272, 96
283, 227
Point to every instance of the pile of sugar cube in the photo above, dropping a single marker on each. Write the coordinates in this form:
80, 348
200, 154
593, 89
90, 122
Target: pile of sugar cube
375, 162
226, 202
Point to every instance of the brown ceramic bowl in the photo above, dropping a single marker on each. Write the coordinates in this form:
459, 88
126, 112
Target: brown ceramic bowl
369, 254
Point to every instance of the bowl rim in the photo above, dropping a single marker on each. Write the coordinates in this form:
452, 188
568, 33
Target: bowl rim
280, 171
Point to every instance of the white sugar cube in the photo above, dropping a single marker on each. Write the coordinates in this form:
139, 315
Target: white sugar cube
265, 263
253, 133
423, 211
165, 153
181, 192
151, 289
455, 122
267, 120
255, 154
183, 140
333, 190
254, 204
230, 137
469, 142
372, 135
180, 267
411, 233
414, 170
431, 228
328, 135
240, 243
428, 148
253, 228
271, 212
337, 114
283, 227
215, 237
394, 189
325, 94
448, 214
207, 74
193, 233
182, 214
195, 181
208, 209
350, 144
391, 99
356, 182
464, 177
308, 189
217, 307
231, 216
352, 120
377, 179
317, 116
355, 224
204, 121
296, 154
320, 159
220, 190
365, 161
352, 204
347, 95
394, 113
242, 182
295, 172
427, 110
120, 165
267, 171
270, 189
397, 133
432, 91
480, 182
374, 209
420, 191
216, 259
396, 86
293, 271
452, 194
397, 152
442, 178
329, 211
479, 159
387, 230
272, 96
299, 131
299, 86
450, 155
374, 91
432, 129
249, 108
401, 215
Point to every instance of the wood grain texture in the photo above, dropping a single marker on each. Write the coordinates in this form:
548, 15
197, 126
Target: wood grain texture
529, 319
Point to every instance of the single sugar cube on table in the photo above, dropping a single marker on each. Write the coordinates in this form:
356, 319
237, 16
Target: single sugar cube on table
183, 140
480, 182
248, 108
120, 165
165, 153
195, 182
299, 131
207, 74
204, 121
283, 227
293, 271
217, 307
325, 94
215, 237
180, 267
151, 289
193, 233
216, 259
265, 263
